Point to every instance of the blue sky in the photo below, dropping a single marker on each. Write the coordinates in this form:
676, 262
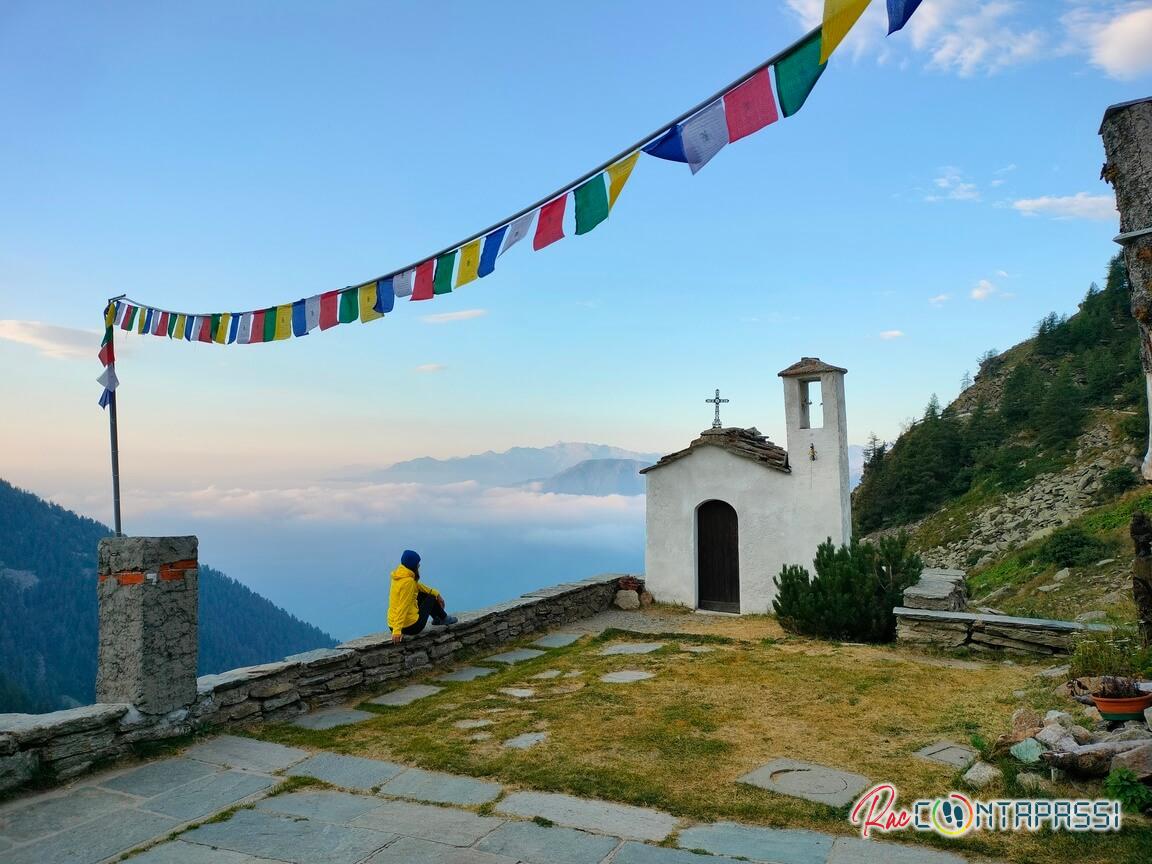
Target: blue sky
937, 195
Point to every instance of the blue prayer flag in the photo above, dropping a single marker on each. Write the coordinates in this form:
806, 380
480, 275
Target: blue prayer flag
299, 319
233, 327
385, 296
491, 250
104, 397
669, 146
899, 11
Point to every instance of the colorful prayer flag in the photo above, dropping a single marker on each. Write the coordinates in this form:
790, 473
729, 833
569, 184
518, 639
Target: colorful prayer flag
192, 329
899, 11
269, 334
257, 333
367, 297
402, 283
110, 314
312, 312
107, 353
517, 231
591, 203
181, 323
550, 225
121, 311
329, 309
233, 326
172, 316
219, 329
385, 296
668, 146
750, 106
469, 263
491, 251
105, 398
839, 16
205, 332
129, 318
424, 281
704, 135
244, 334
108, 379
163, 325
299, 319
442, 282
144, 321
283, 322
797, 73
618, 175
349, 305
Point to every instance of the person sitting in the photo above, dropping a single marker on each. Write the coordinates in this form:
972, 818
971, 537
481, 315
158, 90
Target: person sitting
411, 603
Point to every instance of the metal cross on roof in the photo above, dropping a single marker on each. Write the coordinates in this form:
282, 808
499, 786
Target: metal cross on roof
717, 401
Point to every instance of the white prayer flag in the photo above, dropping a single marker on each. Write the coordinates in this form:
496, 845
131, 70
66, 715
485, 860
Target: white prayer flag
402, 283
704, 134
244, 331
121, 310
312, 313
157, 316
517, 231
108, 379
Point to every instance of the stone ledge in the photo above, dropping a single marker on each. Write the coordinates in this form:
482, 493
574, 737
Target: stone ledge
994, 633
975, 618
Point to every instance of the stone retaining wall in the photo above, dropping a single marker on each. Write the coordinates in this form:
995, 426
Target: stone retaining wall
995, 633
63, 744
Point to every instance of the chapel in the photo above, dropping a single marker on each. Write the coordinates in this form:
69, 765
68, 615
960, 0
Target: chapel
726, 513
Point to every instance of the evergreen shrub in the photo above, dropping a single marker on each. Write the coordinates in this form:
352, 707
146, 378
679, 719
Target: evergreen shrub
1071, 546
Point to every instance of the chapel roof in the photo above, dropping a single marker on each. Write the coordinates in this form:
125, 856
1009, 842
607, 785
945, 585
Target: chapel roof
746, 443
810, 366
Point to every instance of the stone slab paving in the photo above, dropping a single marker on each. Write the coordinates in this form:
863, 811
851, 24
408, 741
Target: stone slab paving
248, 754
626, 676
856, 850
406, 695
620, 820
179, 852
85, 844
409, 850
330, 718
445, 825
518, 692
527, 740
948, 753
534, 844
208, 795
156, 778
631, 648
466, 673
778, 846
809, 781
349, 772
322, 806
557, 640
441, 788
640, 853
517, 656
47, 814
281, 838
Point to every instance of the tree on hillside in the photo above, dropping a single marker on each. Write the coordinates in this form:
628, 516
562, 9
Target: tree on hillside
1060, 416
1022, 394
965, 380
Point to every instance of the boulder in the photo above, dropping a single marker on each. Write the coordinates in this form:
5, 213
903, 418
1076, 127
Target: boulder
1027, 751
1025, 723
1137, 760
627, 599
646, 598
982, 774
1053, 737
36, 728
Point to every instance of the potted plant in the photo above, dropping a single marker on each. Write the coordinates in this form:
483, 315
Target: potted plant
1120, 699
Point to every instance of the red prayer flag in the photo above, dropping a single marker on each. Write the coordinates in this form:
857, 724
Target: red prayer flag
329, 310
162, 327
425, 284
107, 355
550, 225
257, 326
205, 334
750, 106
129, 317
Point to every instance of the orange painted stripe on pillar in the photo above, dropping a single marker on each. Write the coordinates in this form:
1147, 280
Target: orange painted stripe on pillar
130, 577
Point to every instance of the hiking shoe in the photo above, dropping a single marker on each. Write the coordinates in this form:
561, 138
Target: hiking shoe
448, 621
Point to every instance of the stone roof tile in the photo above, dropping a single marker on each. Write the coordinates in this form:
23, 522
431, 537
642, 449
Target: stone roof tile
746, 443
810, 366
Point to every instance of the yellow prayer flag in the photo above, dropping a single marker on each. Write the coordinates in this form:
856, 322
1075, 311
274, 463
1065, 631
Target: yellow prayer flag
469, 263
839, 16
141, 319
109, 314
222, 327
618, 175
283, 322
181, 323
367, 295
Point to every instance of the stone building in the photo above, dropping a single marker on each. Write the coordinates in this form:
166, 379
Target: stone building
728, 511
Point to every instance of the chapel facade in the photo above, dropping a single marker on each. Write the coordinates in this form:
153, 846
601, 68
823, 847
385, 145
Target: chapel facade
725, 514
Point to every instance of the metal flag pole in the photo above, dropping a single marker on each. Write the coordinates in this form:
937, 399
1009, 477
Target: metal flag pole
115, 441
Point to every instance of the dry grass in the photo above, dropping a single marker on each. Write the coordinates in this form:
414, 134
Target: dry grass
680, 741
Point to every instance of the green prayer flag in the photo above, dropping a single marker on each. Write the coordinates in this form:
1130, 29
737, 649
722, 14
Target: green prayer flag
171, 323
442, 283
107, 335
349, 305
591, 204
270, 325
215, 328
797, 73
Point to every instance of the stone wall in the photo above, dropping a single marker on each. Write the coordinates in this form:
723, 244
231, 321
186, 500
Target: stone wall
991, 633
63, 744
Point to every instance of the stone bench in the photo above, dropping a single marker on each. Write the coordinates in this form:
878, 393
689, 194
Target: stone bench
992, 633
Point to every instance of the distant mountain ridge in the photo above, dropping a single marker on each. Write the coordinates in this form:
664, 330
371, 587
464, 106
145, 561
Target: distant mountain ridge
596, 477
512, 467
48, 615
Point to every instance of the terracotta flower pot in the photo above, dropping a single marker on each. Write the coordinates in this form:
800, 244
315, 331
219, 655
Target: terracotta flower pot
1130, 708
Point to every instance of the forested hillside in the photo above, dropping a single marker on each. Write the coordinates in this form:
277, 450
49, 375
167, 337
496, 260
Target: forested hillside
48, 616
1020, 418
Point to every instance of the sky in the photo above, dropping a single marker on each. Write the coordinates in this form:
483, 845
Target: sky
937, 195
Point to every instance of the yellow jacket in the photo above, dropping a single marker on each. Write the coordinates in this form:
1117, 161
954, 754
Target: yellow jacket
402, 609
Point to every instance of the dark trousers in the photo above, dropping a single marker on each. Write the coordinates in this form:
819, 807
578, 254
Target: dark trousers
428, 607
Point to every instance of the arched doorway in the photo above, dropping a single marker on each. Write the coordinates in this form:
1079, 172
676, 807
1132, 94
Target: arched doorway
717, 557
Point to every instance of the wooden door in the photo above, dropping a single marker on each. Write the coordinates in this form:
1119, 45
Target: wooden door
718, 557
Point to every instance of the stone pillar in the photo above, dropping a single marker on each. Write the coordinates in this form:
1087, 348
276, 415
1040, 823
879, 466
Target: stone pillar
148, 592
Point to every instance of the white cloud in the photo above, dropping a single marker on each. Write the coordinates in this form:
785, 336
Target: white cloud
889, 335
426, 368
1078, 206
939, 299
983, 290
51, 340
1002, 274
1118, 39
448, 317
953, 186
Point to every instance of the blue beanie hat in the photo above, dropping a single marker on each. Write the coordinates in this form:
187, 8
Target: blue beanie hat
410, 559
